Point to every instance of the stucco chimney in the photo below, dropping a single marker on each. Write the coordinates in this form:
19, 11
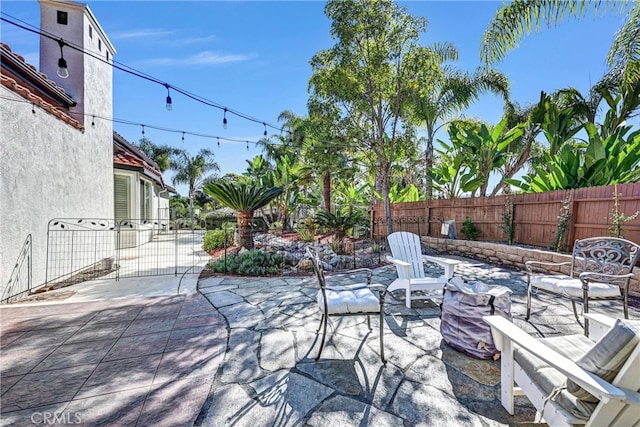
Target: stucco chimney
90, 80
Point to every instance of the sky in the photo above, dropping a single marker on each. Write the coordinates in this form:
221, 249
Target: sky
253, 57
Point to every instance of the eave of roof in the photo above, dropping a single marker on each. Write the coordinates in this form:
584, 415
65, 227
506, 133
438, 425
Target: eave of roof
23, 79
15, 64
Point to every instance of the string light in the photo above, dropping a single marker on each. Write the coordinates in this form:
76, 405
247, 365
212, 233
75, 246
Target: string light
183, 137
265, 128
169, 105
224, 119
290, 138
127, 69
247, 145
165, 129
93, 120
62, 72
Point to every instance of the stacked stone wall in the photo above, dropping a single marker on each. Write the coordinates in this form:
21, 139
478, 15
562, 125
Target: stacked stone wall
510, 256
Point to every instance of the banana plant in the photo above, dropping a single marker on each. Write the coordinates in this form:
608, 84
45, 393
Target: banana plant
612, 160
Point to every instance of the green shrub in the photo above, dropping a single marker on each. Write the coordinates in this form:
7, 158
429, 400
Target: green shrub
215, 221
469, 229
251, 263
306, 230
215, 239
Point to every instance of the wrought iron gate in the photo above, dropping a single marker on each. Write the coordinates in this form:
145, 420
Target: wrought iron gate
81, 249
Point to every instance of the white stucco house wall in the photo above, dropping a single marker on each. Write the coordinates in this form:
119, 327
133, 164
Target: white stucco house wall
54, 162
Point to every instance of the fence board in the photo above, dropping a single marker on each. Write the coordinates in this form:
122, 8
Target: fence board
535, 216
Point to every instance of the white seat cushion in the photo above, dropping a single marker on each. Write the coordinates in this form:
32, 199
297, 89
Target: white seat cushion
356, 298
568, 286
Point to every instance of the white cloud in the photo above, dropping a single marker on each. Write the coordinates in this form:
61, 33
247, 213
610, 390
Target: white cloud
192, 40
143, 33
202, 58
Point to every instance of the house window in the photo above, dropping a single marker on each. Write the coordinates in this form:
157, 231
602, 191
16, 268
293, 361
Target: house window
107, 55
145, 200
100, 45
90, 32
122, 197
62, 17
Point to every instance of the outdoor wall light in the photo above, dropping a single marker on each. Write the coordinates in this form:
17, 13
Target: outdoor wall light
169, 105
224, 119
63, 72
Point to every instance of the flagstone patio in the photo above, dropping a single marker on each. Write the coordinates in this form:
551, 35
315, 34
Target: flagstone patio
269, 375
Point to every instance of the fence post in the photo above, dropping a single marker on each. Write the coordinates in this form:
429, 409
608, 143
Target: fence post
117, 229
572, 222
175, 241
225, 250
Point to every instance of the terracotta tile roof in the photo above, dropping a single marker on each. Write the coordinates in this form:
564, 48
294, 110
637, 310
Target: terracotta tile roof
128, 156
23, 79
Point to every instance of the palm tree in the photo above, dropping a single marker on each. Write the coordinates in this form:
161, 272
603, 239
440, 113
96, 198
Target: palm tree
161, 154
516, 19
245, 198
194, 171
452, 92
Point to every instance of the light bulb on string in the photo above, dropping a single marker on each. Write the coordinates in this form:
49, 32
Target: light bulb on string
142, 130
93, 120
169, 105
247, 145
265, 128
224, 119
218, 141
33, 108
183, 137
63, 71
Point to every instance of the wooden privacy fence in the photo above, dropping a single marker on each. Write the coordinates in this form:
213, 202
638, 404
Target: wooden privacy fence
535, 217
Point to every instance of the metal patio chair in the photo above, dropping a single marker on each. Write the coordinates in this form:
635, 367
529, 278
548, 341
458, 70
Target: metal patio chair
357, 299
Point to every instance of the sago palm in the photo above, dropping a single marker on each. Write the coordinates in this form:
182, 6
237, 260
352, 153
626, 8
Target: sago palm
245, 198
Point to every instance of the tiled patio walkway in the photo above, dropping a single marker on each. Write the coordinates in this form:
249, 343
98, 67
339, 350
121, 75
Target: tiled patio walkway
143, 361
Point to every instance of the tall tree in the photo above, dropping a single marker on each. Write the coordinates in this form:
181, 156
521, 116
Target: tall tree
194, 171
453, 91
371, 72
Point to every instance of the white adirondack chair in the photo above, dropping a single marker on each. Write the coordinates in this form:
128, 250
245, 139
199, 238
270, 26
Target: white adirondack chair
573, 380
409, 261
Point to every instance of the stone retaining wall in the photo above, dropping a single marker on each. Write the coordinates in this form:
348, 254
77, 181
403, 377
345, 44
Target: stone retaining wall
512, 256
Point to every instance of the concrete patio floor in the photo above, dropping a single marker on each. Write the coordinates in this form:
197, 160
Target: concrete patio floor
240, 352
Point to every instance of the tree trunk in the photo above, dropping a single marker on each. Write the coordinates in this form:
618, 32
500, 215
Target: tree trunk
191, 199
383, 176
245, 236
428, 163
326, 190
